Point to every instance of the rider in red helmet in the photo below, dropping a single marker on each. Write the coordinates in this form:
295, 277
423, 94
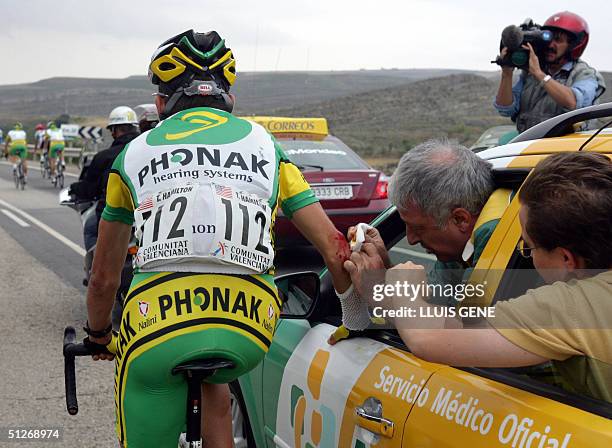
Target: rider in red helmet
558, 84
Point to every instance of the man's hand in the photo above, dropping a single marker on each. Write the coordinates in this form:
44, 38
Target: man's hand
372, 236
417, 271
103, 349
506, 69
361, 262
534, 63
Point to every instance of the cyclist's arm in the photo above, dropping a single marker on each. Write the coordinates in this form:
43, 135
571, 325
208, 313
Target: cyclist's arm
111, 249
315, 225
301, 206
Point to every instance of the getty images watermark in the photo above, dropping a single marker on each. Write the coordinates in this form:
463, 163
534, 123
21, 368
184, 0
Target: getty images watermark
506, 299
421, 299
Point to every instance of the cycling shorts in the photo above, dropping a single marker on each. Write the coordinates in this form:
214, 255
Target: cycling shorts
171, 318
19, 150
55, 148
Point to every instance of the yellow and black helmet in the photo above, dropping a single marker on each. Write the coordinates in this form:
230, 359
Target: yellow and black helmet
181, 64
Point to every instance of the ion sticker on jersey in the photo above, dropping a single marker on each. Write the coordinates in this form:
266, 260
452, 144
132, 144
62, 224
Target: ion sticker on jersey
213, 223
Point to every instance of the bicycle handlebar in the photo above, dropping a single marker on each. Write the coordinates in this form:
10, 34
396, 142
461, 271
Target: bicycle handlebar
71, 349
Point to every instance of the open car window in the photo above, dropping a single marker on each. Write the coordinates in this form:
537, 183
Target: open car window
540, 380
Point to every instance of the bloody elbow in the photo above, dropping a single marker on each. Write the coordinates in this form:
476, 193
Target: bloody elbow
340, 251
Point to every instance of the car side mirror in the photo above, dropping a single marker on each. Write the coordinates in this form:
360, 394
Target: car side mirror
298, 293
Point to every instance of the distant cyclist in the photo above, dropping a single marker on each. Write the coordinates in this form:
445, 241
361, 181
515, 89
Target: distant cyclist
204, 188
55, 143
39, 136
17, 148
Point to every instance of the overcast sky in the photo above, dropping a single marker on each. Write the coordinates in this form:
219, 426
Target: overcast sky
115, 39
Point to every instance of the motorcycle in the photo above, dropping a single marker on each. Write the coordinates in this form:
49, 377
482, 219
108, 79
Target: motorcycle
88, 215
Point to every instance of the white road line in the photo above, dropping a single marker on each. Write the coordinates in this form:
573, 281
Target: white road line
19, 221
414, 253
75, 247
35, 167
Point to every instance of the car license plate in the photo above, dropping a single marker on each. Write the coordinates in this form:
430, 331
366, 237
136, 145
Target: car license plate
333, 192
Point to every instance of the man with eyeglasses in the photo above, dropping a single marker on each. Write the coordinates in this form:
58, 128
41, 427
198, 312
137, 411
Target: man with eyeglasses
558, 84
566, 222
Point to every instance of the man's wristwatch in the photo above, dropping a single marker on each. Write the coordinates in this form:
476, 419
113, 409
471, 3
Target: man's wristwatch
545, 80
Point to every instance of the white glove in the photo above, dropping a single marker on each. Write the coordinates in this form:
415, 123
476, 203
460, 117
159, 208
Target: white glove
355, 315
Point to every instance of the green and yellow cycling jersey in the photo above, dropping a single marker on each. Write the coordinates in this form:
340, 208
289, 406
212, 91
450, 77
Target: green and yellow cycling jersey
203, 189
16, 139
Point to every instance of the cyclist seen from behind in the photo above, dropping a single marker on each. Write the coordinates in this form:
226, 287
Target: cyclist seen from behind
39, 136
203, 188
54, 139
93, 179
16, 148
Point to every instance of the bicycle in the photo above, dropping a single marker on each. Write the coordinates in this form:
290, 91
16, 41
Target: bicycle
45, 169
195, 372
59, 175
18, 176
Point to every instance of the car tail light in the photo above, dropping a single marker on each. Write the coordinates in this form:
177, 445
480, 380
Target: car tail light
380, 192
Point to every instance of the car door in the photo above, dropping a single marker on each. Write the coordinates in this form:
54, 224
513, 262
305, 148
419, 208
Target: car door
355, 394
505, 407
469, 409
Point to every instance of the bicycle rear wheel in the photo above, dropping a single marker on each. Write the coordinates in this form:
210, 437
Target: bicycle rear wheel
20, 176
60, 173
16, 178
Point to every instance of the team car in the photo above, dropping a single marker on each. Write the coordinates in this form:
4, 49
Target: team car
348, 188
370, 391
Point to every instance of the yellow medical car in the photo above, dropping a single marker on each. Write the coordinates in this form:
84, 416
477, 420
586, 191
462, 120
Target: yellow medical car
370, 391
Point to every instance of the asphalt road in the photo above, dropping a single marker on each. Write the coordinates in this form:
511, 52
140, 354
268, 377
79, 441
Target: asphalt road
41, 293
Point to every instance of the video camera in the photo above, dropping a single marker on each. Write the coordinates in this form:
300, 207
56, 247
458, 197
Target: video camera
514, 37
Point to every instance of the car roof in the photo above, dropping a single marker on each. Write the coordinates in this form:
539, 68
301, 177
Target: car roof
526, 154
552, 136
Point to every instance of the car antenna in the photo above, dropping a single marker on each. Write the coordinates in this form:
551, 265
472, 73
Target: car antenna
595, 134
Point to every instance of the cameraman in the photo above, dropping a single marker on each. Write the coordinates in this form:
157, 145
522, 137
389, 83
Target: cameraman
563, 82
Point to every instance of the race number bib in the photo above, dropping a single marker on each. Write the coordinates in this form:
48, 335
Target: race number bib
210, 224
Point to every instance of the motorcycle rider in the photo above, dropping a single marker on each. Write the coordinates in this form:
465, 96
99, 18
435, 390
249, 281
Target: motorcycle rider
122, 124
